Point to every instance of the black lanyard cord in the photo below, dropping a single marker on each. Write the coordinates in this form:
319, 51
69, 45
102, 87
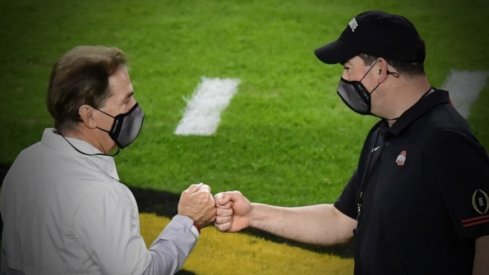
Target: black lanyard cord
369, 167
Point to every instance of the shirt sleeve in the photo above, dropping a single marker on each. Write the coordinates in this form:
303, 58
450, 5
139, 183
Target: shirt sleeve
172, 247
107, 226
461, 169
347, 202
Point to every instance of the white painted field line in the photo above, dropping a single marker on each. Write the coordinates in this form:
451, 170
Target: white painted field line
203, 111
464, 88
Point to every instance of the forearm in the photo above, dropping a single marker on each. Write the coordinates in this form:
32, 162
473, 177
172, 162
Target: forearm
481, 263
172, 247
317, 224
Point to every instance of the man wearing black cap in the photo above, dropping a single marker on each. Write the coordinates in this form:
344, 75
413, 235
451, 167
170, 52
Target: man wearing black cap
418, 202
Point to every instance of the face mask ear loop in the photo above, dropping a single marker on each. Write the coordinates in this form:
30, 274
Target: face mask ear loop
394, 74
368, 71
105, 113
374, 89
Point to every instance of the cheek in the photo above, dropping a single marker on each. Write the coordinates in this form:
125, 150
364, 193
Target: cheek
354, 75
370, 84
105, 122
351, 75
378, 102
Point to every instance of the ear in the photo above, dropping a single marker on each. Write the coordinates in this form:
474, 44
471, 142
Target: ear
86, 113
381, 69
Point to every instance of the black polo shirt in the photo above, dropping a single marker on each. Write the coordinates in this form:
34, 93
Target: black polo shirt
419, 194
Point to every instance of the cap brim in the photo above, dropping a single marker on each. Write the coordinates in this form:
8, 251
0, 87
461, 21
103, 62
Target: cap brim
335, 52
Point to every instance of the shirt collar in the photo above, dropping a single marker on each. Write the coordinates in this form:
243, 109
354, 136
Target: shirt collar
56, 142
424, 105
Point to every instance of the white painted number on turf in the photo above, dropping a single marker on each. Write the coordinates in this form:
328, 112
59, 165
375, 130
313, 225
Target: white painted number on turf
203, 111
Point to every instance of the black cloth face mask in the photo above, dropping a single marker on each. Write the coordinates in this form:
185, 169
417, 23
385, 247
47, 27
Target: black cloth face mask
355, 95
126, 127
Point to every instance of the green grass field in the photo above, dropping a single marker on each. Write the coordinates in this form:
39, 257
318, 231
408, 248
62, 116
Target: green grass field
286, 138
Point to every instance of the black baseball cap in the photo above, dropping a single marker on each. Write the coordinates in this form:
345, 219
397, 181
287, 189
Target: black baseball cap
379, 34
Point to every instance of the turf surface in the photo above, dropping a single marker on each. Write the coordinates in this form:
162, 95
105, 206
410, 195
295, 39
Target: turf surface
286, 137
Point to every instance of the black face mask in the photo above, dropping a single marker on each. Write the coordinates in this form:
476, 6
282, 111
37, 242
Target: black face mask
355, 95
126, 127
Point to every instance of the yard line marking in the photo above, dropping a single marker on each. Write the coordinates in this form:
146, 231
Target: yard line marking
464, 88
203, 112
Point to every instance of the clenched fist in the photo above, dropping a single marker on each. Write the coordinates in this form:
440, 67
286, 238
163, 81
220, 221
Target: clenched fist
233, 211
198, 203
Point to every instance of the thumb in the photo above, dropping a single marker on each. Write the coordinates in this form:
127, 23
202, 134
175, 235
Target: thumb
194, 188
221, 198
205, 188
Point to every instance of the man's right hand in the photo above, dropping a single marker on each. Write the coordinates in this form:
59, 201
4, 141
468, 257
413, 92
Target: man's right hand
233, 211
198, 203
